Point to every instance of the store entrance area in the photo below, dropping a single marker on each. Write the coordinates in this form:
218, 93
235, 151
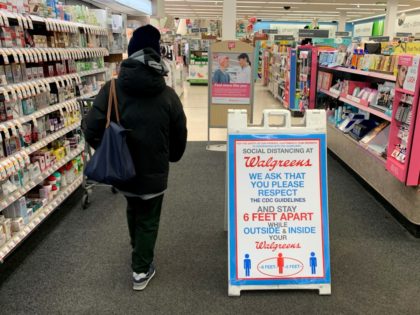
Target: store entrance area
79, 262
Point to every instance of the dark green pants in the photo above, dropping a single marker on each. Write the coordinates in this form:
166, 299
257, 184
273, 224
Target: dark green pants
143, 223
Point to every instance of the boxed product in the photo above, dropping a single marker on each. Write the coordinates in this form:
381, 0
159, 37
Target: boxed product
12, 145
40, 72
24, 74
3, 79
16, 108
9, 73
29, 75
326, 80
17, 73
23, 210
51, 41
17, 35
351, 87
17, 225
28, 106
3, 116
40, 41
9, 110
26, 134
6, 37
40, 160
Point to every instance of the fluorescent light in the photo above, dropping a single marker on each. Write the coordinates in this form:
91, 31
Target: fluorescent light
360, 9
285, 12
313, 3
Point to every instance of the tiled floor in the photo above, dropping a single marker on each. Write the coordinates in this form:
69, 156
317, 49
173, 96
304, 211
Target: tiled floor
195, 100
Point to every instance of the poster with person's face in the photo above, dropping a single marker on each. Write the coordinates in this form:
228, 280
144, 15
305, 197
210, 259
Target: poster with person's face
231, 76
407, 72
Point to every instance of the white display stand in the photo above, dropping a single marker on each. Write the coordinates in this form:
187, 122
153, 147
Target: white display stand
278, 234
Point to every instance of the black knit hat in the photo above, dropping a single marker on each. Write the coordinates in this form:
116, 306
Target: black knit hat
146, 36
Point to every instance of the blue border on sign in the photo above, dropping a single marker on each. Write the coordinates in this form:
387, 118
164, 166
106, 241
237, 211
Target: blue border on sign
232, 219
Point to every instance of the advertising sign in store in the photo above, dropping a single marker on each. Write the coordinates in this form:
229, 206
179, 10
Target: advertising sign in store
284, 37
203, 29
363, 29
342, 34
270, 31
407, 72
195, 30
403, 34
380, 39
411, 24
306, 33
231, 75
278, 210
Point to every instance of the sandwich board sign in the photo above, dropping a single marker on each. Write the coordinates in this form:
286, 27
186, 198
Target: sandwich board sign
277, 204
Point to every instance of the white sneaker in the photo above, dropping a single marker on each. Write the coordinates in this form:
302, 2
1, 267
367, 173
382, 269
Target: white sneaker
140, 280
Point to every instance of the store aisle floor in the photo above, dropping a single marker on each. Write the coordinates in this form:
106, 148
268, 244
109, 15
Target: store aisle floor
78, 263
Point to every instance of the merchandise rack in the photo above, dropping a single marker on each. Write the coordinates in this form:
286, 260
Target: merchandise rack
401, 170
90, 36
369, 165
40, 215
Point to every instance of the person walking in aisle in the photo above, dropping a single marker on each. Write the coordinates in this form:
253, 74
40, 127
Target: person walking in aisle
157, 135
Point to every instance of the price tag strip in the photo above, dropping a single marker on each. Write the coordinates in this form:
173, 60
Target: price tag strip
278, 233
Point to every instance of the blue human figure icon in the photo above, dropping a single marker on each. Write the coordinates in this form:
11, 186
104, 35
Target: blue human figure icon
313, 263
247, 265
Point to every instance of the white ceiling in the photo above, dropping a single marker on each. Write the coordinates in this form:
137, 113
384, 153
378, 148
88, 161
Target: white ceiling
325, 10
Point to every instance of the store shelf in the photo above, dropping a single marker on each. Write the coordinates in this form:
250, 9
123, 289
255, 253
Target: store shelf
39, 113
404, 91
33, 87
57, 25
17, 156
361, 146
39, 216
368, 168
92, 72
90, 94
30, 55
16, 195
365, 108
377, 75
329, 93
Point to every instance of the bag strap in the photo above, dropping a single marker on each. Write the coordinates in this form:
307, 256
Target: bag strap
112, 99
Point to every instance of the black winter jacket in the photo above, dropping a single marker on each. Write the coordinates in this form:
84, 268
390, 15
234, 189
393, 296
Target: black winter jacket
155, 118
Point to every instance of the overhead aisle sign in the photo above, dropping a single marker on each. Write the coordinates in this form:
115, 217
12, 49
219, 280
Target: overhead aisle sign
278, 204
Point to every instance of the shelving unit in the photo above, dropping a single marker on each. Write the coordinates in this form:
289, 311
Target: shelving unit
365, 108
406, 98
46, 103
385, 174
370, 74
